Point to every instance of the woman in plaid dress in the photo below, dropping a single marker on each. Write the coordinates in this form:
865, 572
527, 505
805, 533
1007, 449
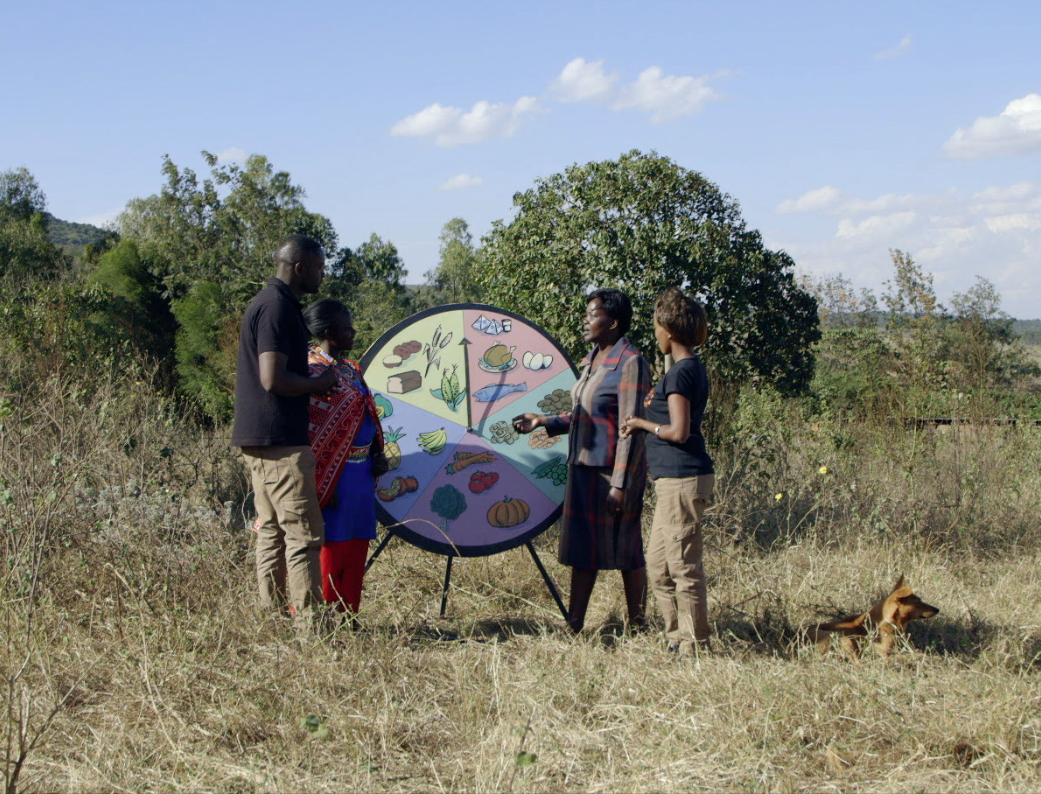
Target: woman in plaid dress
600, 528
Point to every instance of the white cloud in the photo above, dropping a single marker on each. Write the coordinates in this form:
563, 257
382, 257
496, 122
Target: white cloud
811, 201
461, 181
876, 226
582, 81
1012, 200
450, 126
899, 49
1021, 191
994, 233
1020, 221
828, 200
894, 202
1017, 130
231, 155
666, 97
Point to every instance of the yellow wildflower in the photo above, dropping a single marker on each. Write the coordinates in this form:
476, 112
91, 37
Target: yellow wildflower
779, 497
823, 469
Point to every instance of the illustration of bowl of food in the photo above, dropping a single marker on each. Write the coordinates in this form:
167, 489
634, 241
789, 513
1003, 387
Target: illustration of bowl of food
401, 354
498, 358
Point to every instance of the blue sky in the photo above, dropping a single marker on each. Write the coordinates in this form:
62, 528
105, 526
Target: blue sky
843, 129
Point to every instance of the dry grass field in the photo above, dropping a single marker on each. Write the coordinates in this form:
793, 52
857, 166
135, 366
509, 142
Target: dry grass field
134, 659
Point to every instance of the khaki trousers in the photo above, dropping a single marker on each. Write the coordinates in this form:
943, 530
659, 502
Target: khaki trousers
674, 564
290, 530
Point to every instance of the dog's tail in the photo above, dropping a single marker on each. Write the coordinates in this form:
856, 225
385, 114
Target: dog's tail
850, 625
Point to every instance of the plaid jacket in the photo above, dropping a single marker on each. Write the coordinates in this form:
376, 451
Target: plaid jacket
615, 390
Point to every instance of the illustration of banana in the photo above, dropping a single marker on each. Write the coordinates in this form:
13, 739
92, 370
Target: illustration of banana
433, 442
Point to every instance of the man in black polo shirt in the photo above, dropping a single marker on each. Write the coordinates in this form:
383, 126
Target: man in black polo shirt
272, 386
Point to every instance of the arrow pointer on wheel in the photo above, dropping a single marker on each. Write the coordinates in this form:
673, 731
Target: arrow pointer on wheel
466, 365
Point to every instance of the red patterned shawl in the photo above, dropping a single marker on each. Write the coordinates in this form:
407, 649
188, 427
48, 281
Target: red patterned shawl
334, 420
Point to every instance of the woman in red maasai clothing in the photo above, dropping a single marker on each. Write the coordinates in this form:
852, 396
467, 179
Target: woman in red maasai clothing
347, 442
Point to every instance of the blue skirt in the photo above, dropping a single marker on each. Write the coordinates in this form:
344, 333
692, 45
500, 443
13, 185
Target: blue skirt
351, 513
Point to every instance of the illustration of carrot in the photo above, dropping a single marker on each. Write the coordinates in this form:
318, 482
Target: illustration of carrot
464, 459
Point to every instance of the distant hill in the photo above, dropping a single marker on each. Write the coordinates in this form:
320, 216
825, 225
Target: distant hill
71, 235
1028, 330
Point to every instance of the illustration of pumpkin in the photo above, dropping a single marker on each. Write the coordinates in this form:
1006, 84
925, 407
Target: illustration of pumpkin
508, 513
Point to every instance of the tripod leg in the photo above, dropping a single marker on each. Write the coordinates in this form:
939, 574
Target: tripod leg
549, 582
444, 588
383, 544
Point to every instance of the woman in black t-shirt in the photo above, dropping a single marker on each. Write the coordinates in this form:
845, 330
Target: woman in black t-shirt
682, 473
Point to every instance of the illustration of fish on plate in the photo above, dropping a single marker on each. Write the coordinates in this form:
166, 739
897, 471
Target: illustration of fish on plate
496, 391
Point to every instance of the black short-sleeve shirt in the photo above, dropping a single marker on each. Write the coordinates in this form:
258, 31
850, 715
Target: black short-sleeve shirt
688, 458
274, 322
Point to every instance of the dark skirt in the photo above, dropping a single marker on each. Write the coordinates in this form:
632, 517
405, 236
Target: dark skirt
590, 537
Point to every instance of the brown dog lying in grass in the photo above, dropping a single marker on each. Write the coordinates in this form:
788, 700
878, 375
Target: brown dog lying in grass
885, 620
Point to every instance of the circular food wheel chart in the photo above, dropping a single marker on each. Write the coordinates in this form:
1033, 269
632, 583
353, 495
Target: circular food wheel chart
447, 383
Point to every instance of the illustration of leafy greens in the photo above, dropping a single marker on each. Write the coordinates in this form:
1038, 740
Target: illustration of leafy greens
447, 502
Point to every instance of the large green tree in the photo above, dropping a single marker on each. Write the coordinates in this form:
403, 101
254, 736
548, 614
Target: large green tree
20, 195
454, 278
381, 298
26, 252
135, 301
984, 349
223, 228
209, 242
642, 223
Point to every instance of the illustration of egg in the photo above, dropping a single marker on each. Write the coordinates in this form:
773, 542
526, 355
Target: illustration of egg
536, 361
526, 359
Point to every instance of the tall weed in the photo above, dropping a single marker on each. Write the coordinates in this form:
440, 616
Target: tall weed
784, 474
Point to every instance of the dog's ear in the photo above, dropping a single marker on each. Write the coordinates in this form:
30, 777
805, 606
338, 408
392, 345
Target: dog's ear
899, 583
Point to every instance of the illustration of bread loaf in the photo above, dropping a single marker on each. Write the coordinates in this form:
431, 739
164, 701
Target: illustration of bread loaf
405, 382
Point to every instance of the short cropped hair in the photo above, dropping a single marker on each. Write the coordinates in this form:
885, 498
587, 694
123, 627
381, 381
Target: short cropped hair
296, 248
323, 314
616, 306
683, 317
